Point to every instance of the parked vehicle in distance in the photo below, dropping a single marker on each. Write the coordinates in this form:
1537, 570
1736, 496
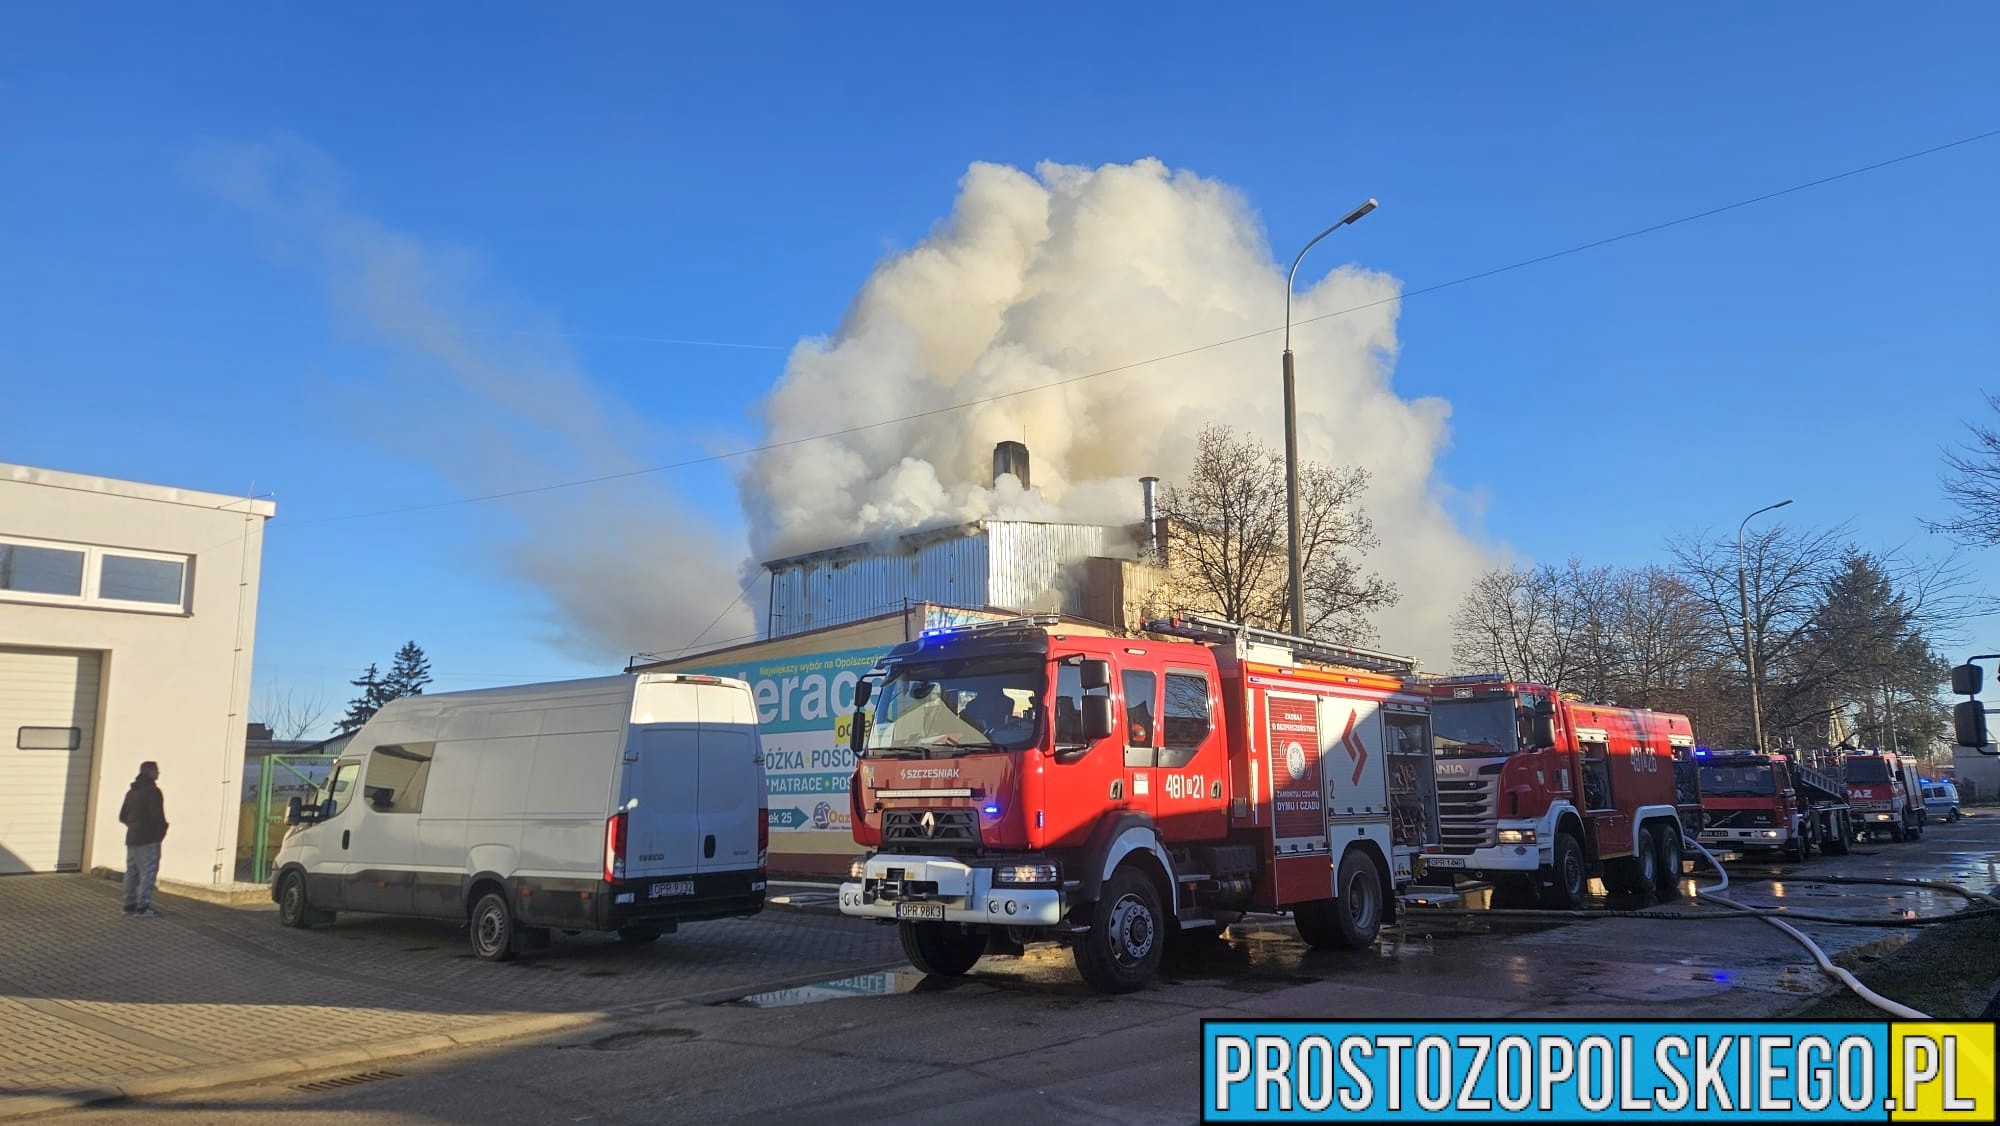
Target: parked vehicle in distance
1771, 802
1538, 791
1941, 800
1885, 793
629, 804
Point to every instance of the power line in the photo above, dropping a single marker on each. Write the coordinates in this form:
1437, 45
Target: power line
967, 404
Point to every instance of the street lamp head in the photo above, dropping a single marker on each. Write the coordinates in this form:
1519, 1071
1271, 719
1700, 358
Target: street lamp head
1782, 503
1358, 212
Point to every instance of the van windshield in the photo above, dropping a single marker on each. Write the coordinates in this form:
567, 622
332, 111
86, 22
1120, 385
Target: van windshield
944, 708
1867, 768
1474, 727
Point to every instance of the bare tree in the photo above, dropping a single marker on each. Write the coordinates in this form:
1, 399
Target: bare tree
1228, 550
1523, 622
290, 716
1973, 486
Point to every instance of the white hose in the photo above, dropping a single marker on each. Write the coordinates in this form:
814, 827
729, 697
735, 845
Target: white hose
1825, 964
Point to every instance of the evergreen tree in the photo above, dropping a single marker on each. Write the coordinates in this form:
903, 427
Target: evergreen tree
373, 696
410, 673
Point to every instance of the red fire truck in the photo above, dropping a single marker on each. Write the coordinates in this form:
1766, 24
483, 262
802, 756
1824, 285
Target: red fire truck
1771, 802
1886, 794
1018, 783
1538, 791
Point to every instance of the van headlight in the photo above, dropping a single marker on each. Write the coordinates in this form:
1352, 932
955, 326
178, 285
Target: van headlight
1517, 836
1025, 874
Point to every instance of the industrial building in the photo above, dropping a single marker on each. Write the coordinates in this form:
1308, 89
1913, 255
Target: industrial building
127, 615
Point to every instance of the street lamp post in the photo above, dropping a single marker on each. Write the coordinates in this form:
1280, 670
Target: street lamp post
1749, 647
1297, 564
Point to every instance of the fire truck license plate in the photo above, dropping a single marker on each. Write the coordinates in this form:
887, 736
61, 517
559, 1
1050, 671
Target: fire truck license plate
1444, 861
920, 911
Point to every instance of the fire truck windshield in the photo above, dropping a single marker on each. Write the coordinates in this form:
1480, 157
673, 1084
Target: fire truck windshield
1750, 780
1474, 727
946, 708
1867, 768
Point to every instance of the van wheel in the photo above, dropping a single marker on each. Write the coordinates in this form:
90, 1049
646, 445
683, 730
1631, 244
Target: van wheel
493, 937
1566, 875
1667, 845
639, 936
943, 949
1126, 940
293, 910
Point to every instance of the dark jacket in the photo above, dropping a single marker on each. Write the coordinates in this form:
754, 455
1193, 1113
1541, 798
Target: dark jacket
144, 814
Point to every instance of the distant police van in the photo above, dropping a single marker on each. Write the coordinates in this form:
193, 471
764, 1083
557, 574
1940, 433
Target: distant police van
625, 803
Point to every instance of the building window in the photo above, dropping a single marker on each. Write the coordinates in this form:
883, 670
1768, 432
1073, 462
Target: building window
112, 578
48, 738
129, 578
33, 569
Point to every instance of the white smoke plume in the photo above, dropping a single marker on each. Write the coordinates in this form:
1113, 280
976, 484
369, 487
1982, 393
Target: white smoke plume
473, 389
1044, 277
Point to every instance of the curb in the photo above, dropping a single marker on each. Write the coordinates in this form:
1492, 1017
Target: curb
22, 1106
228, 895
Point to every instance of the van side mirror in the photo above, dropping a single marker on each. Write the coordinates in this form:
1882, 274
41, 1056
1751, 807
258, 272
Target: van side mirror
1966, 680
1097, 720
1096, 674
294, 811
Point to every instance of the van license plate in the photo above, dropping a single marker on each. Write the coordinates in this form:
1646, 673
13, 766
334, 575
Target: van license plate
665, 888
920, 911
1444, 861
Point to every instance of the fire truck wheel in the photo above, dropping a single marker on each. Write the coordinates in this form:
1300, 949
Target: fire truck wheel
1896, 832
1567, 876
943, 949
1667, 840
1126, 941
1357, 914
1838, 837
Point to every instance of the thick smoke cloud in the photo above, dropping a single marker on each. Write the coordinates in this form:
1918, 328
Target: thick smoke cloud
491, 412
1039, 278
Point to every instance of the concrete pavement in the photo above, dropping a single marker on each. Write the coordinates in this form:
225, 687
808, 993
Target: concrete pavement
736, 1025
95, 1004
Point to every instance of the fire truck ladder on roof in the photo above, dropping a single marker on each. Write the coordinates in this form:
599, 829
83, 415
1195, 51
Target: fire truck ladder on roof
1818, 785
1302, 648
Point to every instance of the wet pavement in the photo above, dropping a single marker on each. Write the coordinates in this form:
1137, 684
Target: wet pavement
1025, 1036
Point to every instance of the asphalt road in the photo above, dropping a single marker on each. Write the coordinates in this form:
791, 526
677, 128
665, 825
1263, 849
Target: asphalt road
1021, 1038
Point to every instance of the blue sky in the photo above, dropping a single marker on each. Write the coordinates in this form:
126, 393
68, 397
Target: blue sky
733, 176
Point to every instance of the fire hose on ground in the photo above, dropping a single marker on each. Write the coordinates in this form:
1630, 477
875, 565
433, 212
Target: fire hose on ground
1772, 915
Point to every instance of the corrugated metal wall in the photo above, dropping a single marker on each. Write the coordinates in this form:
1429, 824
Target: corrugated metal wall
1006, 564
1040, 567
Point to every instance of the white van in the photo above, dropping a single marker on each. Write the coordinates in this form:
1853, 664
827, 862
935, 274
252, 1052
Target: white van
625, 803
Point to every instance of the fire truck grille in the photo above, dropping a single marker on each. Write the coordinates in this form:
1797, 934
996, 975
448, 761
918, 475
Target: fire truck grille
1738, 819
948, 830
1466, 812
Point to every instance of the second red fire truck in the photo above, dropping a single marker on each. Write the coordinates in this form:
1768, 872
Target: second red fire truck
1538, 792
1017, 782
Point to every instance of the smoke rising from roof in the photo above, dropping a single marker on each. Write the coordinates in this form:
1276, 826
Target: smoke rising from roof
1040, 277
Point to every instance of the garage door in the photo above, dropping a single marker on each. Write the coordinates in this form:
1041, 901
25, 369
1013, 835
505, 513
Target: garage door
48, 721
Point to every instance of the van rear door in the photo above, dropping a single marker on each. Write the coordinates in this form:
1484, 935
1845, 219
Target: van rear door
732, 796
698, 780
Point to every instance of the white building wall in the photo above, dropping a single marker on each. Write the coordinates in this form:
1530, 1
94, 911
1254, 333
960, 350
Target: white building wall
175, 687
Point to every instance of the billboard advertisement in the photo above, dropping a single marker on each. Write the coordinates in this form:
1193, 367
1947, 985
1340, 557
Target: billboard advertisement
805, 705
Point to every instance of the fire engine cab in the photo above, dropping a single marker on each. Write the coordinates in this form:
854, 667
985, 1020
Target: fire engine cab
1018, 783
1538, 791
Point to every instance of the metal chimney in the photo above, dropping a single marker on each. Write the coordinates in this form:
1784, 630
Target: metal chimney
1147, 486
1011, 457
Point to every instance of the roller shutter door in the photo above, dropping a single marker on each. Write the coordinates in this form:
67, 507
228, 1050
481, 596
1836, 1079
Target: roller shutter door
48, 732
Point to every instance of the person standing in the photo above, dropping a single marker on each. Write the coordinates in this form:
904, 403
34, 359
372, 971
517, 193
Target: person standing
145, 818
